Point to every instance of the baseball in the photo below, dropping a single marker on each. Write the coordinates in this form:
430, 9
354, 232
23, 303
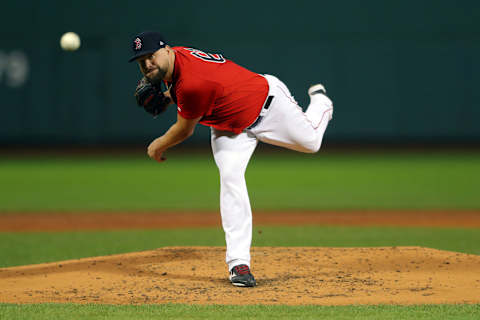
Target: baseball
70, 41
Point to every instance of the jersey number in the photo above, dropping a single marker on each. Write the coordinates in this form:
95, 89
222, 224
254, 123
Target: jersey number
209, 57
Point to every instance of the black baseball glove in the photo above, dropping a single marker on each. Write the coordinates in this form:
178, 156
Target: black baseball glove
151, 97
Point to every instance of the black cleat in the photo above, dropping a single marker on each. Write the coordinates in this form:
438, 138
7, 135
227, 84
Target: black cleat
240, 276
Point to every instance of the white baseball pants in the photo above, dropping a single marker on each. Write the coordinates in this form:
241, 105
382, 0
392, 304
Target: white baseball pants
283, 124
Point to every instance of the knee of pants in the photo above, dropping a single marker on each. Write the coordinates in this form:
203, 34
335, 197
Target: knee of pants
232, 175
313, 146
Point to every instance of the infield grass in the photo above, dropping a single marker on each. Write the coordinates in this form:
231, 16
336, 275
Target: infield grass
276, 182
145, 312
37, 247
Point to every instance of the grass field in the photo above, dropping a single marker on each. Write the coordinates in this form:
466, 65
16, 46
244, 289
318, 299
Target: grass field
276, 182
36, 247
55, 311
288, 181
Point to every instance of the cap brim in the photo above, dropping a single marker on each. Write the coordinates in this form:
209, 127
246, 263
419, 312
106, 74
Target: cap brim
141, 53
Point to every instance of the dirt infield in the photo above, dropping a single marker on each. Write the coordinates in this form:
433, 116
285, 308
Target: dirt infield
290, 276
62, 221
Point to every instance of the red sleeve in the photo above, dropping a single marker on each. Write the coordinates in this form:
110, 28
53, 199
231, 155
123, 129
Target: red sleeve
195, 98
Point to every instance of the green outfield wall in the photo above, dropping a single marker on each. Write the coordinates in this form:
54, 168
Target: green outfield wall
404, 71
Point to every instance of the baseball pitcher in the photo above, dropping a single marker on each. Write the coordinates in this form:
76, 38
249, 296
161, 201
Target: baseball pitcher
242, 108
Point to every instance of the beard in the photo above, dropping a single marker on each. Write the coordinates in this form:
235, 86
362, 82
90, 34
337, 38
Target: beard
157, 77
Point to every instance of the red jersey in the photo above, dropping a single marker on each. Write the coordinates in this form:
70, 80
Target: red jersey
227, 96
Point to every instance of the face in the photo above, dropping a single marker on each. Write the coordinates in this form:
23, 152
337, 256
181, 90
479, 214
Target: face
154, 66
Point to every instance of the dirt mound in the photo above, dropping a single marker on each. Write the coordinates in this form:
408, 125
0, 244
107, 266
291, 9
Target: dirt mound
291, 276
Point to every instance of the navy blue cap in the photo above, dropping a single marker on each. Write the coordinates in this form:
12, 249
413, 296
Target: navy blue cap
145, 43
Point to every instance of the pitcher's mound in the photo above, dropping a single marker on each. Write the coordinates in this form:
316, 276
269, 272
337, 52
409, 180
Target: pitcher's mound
292, 276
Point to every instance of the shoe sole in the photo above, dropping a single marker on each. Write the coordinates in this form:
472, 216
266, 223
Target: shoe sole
316, 87
239, 284
242, 284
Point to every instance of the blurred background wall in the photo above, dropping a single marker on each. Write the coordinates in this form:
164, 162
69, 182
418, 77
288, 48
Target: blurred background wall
398, 72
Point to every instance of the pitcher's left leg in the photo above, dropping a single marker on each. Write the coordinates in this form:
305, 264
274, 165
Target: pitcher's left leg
232, 153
